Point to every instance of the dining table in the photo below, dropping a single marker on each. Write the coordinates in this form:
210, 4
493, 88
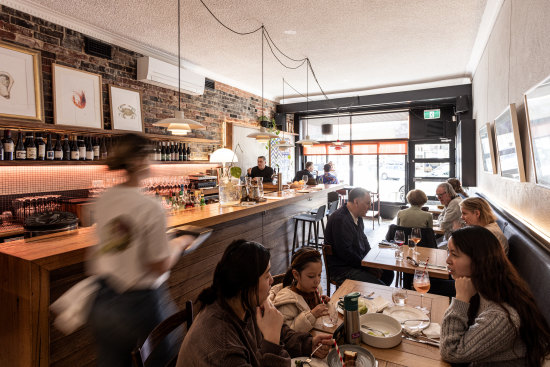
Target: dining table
383, 257
408, 352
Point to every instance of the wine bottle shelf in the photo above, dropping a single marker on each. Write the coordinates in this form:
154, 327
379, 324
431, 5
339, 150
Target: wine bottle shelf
80, 163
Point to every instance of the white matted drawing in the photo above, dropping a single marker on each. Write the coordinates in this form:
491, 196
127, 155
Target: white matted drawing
510, 155
126, 111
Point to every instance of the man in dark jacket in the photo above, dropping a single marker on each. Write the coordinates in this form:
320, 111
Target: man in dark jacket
345, 232
305, 172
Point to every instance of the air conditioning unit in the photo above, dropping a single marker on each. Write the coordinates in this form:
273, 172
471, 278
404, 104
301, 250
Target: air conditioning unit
163, 74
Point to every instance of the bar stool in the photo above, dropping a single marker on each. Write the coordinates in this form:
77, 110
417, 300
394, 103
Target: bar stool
312, 220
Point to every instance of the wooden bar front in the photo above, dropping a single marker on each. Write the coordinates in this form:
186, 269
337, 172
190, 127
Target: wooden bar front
35, 272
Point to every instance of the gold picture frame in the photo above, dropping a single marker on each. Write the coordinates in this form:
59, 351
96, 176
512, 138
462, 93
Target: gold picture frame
508, 144
77, 97
126, 109
21, 96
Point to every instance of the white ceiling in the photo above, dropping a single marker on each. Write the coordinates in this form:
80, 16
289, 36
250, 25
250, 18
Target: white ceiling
353, 45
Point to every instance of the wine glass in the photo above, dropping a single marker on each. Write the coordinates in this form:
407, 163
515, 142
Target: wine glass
399, 239
331, 318
416, 236
305, 178
421, 283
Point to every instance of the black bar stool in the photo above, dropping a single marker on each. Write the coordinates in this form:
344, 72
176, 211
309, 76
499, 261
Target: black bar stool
312, 220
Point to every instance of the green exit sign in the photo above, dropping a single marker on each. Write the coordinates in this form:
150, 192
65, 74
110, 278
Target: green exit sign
432, 114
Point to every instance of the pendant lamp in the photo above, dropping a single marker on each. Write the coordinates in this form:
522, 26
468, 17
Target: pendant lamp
179, 125
307, 141
338, 144
262, 136
284, 144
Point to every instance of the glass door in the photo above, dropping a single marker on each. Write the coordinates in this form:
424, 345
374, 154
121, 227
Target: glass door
431, 163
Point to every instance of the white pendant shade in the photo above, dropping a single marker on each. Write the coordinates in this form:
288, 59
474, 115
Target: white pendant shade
179, 122
262, 136
338, 143
307, 141
284, 145
223, 155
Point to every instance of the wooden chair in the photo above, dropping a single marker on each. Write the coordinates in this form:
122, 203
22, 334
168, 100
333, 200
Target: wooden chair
374, 212
141, 354
327, 251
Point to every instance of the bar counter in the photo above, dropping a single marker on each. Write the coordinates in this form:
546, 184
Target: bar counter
35, 272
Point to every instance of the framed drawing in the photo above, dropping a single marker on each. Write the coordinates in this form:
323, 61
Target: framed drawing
510, 156
20, 84
77, 97
126, 112
487, 148
537, 109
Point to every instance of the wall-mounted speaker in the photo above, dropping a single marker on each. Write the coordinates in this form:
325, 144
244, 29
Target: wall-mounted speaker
326, 129
462, 104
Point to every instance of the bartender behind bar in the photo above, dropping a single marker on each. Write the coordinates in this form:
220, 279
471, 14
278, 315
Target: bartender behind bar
305, 172
261, 170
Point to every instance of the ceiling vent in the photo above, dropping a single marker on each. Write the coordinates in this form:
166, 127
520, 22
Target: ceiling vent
209, 84
163, 74
97, 48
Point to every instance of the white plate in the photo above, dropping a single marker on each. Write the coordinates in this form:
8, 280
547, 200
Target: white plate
402, 313
304, 191
315, 362
362, 301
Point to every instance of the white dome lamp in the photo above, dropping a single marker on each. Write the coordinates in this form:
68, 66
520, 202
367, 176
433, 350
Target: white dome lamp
307, 141
284, 145
179, 125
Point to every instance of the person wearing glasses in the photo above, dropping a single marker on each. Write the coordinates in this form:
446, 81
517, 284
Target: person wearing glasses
451, 212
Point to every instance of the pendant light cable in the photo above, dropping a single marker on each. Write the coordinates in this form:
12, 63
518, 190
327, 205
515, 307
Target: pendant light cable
179, 56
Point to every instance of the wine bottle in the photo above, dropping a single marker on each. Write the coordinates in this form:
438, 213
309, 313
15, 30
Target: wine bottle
95, 147
9, 146
163, 152
89, 149
180, 152
67, 149
58, 150
158, 155
30, 147
184, 152
20, 151
81, 148
49, 149
40, 147
103, 149
188, 153
75, 151
1, 152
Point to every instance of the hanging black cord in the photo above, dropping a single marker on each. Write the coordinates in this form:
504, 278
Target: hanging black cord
294, 88
261, 118
226, 27
179, 57
282, 53
276, 57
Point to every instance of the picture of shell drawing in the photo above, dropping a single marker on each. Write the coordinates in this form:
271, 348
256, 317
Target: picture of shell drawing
6, 82
79, 99
126, 111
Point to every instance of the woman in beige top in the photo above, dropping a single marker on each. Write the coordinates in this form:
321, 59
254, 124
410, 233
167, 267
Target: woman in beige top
477, 212
415, 217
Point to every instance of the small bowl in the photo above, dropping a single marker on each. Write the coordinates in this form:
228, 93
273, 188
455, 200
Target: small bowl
383, 323
440, 206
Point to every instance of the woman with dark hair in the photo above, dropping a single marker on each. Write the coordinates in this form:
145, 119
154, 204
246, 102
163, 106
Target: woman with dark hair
237, 325
493, 320
298, 298
132, 258
457, 186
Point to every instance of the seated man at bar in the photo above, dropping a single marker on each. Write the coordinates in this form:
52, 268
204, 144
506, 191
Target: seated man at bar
305, 172
261, 170
327, 177
345, 232
451, 214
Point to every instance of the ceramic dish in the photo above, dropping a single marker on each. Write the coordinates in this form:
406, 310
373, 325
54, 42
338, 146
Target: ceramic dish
404, 313
380, 324
315, 362
363, 302
364, 357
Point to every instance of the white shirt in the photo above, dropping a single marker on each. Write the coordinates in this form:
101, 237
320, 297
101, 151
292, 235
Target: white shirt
132, 234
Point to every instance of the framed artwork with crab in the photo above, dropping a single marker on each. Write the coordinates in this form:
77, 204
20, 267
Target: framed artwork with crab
77, 97
126, 111
20, 84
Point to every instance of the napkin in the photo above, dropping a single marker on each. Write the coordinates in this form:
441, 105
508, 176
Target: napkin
432, 331
385, 244
379, 303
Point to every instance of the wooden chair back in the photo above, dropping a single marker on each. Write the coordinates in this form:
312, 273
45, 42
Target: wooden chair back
141, 354
327, 251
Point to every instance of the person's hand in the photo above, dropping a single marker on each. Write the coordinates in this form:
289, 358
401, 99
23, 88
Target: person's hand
325, 299
465, 289
182, 243
320, 310
327, 342
249, 171
270, 323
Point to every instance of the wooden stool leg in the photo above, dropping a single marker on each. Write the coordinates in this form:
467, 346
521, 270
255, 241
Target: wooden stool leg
303, 233
316, 235
309, 234
295, 235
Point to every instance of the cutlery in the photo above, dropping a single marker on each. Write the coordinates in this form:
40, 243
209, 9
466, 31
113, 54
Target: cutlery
405, 321
421, 341
312, 353
368, 296
382, 333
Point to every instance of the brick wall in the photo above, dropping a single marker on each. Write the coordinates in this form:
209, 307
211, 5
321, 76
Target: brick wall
65, 46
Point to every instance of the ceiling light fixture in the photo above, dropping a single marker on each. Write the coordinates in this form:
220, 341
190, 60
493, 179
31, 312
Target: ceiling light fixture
179, 123
284, 144
338, 144
263, 136
307, 141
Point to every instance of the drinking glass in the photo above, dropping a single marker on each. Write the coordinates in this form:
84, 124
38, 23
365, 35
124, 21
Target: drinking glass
399, 239
421, 283
416, 236
305, 178
399, 296
331, 319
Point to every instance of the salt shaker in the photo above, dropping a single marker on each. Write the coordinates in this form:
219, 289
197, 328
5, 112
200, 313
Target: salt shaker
351, 318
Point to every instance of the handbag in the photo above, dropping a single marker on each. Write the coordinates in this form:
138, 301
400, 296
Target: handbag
74, 306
